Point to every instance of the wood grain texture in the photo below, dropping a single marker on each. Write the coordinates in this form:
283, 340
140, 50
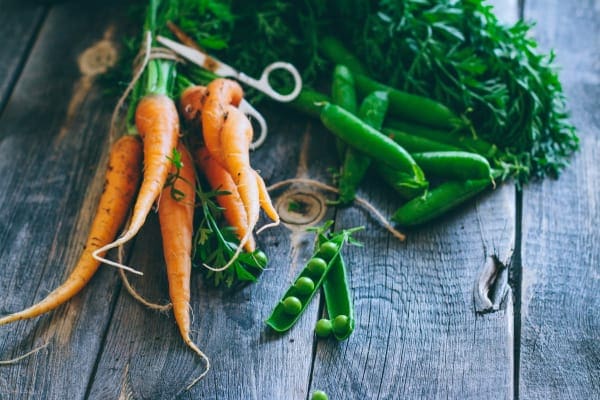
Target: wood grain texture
248, 360
560, 341
18, 26
52, 133
417, 333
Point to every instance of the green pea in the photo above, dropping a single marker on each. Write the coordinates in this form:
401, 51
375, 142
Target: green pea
292, 305
261, 258
327, 250
341, 324
319, 395
317, 266
323, 328
304, 285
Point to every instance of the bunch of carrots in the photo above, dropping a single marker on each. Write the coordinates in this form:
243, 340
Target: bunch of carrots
152, 165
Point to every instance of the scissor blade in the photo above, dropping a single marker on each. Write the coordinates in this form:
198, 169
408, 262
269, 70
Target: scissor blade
196, 57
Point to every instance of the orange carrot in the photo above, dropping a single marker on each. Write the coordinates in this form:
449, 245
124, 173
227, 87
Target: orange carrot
122, 180
192, 100
227, 134
235, 141
265, 199
220, 93
233, 207
158, 125
176, 217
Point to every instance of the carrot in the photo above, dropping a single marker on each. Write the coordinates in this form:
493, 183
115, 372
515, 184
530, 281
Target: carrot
227, 136
158, 125
233, 207
236, 137
176, 217
122, 178
265, 199
191, 102
220, 93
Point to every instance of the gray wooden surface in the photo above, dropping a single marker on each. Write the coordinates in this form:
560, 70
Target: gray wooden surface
560, 341
435, 316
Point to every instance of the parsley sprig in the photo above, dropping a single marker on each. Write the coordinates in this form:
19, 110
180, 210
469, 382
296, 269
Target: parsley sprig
215, 243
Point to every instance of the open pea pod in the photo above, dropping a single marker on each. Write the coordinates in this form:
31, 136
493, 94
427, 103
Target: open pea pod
300, 293
337, 297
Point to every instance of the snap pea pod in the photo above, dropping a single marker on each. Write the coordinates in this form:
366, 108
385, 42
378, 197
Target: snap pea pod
398, 181
337, 297
458, 139
438, 201
309, 102
454, 165
410, 106
371, 142
342, 89
372, 111
416, 144
296, 298
344, 95
335, 51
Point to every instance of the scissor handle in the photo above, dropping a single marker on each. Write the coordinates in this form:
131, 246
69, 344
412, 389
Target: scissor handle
264, 85
247, 109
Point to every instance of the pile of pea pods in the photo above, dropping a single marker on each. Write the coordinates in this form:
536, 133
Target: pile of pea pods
435, 162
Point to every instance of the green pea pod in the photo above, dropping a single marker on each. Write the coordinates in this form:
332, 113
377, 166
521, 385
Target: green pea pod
309, 102
342, 89
281, 318
371, 142
372, 111
455, 165
410, 106
398, 181
337, 295
416, 144
344, 95
460, 140
335, 51
438, 201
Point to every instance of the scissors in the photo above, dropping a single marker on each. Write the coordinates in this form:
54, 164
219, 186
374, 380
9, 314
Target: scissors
262, 84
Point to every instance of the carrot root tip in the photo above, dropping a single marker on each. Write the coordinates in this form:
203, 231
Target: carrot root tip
267, 226
140, 298
113, 263
200, 353
21, 357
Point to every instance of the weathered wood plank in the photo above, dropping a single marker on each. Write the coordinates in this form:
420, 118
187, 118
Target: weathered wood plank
52, 135
18, 25
144, 353
417, 333
560, 343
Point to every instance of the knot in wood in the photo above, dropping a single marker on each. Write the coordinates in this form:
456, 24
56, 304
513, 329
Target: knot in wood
301, 208
98, 58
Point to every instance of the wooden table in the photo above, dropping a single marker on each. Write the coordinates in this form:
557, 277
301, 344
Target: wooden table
433, 318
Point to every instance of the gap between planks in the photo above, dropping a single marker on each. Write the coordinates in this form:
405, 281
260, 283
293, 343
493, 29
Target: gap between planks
34, 36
